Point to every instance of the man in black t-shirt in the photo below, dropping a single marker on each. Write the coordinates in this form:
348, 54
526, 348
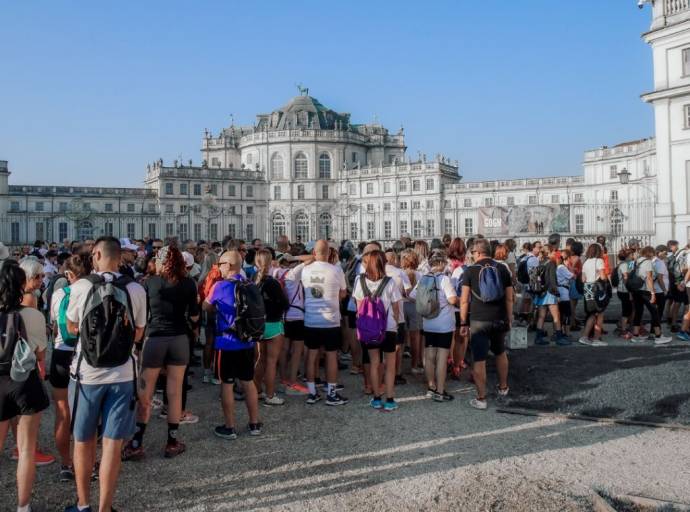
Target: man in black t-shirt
488, 322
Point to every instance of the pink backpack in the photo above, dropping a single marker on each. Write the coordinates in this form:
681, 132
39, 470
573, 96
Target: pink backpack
372, 317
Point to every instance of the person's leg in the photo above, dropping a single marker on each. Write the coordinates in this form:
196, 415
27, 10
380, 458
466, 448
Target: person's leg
415, 348
389, 377
27, 432
541, 317
556, 316
176, 382
273, 350
284, 361
109, 472
295, 359
430, 367
147, 388
251, 399
501, 370
4, 428
573, 310
84, 457
62, 425
374, 369
260, 365
228, 403
479, 374
312, 357
441, 369
638, 308
332, 369
653, 313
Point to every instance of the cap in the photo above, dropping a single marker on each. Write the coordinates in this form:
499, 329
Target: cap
188, 259
127, 245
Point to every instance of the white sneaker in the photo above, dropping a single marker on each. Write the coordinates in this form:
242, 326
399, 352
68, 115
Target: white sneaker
585, 341
502, 392
417, 371
638, 339
206, 379
274, 400
479, 404
662, 340
599, 343
188, 418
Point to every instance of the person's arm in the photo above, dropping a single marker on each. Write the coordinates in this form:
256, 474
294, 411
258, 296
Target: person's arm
396, 311
603, 275
650, 286
510, 300
464, 310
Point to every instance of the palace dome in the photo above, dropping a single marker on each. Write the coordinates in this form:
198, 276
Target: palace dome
306, 112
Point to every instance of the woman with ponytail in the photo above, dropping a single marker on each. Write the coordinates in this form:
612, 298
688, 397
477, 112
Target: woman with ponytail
172, 303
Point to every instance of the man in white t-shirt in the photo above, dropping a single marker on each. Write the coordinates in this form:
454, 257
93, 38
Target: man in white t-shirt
324, 287
107, 394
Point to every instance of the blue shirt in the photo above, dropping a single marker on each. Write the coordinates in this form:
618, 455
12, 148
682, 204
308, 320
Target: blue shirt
222, 296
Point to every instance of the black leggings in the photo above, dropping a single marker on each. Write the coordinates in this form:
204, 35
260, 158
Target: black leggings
642, 300
660, 304
626, 304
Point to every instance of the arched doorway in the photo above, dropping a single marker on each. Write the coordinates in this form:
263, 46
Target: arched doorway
278, 226
301, 228
84, 230
325, 226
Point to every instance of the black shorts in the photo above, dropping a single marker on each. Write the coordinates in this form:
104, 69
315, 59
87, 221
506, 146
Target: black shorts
387, 346
60, 362
564, 310
676, 295
327, 337
487, 335
22, 398
294, 330
232, 365
352, 319
438, 339
400, 335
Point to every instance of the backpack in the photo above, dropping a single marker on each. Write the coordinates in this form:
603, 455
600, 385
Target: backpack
522, 272
634, 283
372, 317
273, 296
50, 288
351, 274
250, 313
490, 286
678, 264
16, 357
458, 290
537, 280
426, 301
615, 277
68, 338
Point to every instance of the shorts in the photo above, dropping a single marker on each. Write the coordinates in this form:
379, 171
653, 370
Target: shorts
487, 335
565, 311
232, 365
438, 339
387, 347
679, 296
60, 362
548, 299
294, 330
413, 321
160, 351
112, 404
272, 330
327, 337
400, 340
22, 398
351, 319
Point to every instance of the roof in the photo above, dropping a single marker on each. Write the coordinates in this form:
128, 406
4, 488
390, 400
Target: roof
305, 112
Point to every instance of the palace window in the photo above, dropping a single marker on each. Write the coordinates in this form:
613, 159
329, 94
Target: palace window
232, 230
686, 61
555, 199
300, 191
354, 232
370, 208
183, 208
430, 184
469, 228
686, 109
250, 210
324, 191
579, 198
386, 207
430, 227
416, 185
231, 190
108, 229
14, 235
467, 203
488, 201
197, 189
370, 230
448, 226
152, 208
250, 191
168, 189
62, 230
183, 189
169, 229
152, 230
532, 200
613, 172
108, 207
301, 166
130, 230
429, 204
387, 231
169, 208
62, 207
614, 195
353, 189
370, 188
403, 227
386, 187
510, 201
130, 207
416, 205
402, 186
324, 166
403, 205
197, 231
579, 224
276, 192
276, 167
416, 228
39, 206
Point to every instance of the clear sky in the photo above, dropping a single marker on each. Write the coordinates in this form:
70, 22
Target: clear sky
90, 92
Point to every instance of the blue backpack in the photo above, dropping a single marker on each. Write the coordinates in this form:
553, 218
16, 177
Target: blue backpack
490, 286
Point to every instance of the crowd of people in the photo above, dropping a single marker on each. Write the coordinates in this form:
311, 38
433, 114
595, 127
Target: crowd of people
108, 323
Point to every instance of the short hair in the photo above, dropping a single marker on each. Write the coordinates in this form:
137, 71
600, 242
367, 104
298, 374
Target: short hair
671, 242
110, 246
483, 246
527, 246
577, 248
31, 267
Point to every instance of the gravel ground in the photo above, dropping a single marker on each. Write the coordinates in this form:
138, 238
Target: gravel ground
425, 456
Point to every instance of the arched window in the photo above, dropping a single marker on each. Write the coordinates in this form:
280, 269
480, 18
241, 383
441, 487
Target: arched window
301, 227
325, 226
276, 167
301, 166
324, 166
279, 226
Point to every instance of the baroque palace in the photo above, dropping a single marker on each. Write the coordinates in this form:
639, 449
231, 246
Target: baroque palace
310, 172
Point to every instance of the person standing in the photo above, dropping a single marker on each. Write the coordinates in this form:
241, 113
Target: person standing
489, 320
107, 394
593, 270
324, 287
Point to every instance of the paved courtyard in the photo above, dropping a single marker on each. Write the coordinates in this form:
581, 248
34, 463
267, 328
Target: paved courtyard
425, 456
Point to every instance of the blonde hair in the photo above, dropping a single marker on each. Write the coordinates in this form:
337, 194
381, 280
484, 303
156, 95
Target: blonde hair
262, 261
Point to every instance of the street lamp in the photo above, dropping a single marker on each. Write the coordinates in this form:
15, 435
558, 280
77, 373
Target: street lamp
624, 176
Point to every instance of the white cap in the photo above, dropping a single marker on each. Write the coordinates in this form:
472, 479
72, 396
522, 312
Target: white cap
126, 244
188, 259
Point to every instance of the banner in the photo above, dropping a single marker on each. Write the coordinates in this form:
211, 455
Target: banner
524, 220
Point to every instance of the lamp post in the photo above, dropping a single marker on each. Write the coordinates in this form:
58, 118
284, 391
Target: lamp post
624, 177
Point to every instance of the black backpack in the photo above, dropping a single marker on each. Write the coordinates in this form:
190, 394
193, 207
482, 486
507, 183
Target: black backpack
635, 283
275, 301
107, 329
615, 278
11, 328
522, 272
250, 313
537, 280
50, 288
351, 273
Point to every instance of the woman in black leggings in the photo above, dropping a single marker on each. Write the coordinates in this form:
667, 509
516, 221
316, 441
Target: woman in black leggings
645, 298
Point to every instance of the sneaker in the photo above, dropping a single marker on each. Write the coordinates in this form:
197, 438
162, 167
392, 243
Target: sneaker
188, 418
443, 397
627, 336
430, 392
225, 432
376, 403
274, 400
41, 459
407, 354
75, 508
239, 395
312, 399
683, 336
599, 343
215, 381
417, 371
400, 380
66, 474
346, 356
639, 339
295, 389
255, 429
662, 340
356, 370
390, 405
501, 392
174, 449
206, 379
131, 453
540, 338
156, 403
95, 471
479, 404
164, 413
563, 341
585, 341
643, 331
336, 399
